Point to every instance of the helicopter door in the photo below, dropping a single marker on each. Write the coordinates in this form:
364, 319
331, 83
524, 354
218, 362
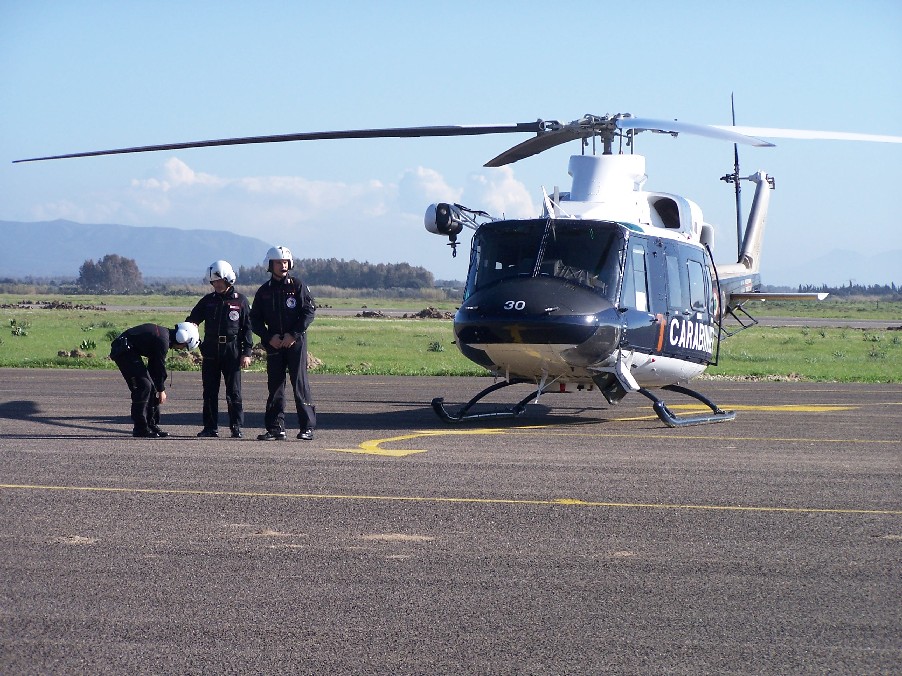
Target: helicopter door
690, 313
643, 298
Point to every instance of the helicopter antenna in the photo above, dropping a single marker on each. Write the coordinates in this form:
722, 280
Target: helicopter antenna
736, 184
737, 187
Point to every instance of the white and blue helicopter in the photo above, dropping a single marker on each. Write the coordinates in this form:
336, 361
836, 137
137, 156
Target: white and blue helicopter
611, 287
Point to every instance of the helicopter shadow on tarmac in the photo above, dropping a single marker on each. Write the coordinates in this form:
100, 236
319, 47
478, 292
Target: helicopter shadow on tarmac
398, 415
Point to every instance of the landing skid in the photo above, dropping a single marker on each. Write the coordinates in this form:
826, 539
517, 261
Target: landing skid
667, 416
438, 405
670, 419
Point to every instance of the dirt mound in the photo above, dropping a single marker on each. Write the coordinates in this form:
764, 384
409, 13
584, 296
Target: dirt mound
430, 313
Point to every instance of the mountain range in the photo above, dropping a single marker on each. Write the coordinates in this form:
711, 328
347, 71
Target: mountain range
57, 249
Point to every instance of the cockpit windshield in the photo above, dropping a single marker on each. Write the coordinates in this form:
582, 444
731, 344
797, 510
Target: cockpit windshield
581, 252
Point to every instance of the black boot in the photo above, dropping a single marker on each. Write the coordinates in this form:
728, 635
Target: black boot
272, 435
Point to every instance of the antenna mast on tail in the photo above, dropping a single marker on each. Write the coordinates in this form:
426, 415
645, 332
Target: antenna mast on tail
734, 179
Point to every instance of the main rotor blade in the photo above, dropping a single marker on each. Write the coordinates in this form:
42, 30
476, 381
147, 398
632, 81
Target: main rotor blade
732, 134
396, 132
536, 145
606, 127
811, 134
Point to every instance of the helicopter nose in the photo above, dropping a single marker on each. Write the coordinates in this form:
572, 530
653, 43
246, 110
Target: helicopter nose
536, 310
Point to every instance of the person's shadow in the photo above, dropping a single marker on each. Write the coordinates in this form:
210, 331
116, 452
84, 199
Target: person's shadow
399, 415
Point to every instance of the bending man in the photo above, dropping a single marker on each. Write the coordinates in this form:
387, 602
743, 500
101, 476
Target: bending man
147, 383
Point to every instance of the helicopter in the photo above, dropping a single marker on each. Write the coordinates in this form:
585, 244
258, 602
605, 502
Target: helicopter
611, 287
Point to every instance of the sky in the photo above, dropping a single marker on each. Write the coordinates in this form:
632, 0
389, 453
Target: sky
94, 75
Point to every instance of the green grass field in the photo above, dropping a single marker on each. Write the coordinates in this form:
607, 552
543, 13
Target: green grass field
34, 337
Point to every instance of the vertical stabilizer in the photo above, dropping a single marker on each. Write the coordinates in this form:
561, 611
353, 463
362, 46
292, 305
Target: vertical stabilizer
750, 254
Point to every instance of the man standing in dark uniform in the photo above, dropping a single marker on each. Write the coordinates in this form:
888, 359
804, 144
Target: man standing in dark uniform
226, 347
148, 383
283, 309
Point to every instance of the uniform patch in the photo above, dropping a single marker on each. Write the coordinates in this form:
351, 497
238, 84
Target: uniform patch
233, 315
291, 302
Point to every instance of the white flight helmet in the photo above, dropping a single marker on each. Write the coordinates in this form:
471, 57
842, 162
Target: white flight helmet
221, 270
279, 253
186, 332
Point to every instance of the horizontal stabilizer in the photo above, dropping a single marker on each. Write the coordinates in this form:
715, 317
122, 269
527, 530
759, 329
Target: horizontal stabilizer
744, 296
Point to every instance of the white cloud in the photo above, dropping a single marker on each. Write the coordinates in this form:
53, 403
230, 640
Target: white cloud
183, 197
177, 174
499, 194
420, 187
373, 220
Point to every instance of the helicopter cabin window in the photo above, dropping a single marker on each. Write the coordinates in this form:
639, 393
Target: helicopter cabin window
586, 253
698, 295
635, 281
677, 288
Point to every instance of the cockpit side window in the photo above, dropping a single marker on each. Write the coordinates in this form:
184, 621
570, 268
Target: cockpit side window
698, 292
677, 287
635, 280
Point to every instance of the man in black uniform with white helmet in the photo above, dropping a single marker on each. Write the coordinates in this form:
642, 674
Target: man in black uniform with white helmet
226, 347
283, 309
147, 383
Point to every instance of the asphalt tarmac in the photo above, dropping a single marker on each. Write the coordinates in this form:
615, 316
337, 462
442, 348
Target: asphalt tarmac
577, 539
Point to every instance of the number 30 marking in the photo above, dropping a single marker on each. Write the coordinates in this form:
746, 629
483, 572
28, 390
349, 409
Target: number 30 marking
515, 305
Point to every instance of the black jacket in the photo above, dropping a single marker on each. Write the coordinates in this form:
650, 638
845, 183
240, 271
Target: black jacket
282, 307
151, 341
226, 315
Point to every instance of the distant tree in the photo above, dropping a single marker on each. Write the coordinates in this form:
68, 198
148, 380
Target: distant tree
253, 275
351, 274
887, 291
110, 274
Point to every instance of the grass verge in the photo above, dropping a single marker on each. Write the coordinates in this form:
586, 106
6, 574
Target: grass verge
35, 337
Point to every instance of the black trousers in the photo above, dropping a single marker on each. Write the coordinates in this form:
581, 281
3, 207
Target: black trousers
226, 365
145, 405
294, 361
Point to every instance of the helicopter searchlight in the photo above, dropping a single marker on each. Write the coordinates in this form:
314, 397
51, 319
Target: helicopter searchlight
449, 221
612, 287
444, 219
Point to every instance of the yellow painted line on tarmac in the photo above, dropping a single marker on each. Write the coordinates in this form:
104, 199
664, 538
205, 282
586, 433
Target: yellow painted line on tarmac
557, 502
681, 437
772, 408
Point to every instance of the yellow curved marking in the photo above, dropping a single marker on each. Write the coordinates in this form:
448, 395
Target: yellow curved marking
558, 502
373, 446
